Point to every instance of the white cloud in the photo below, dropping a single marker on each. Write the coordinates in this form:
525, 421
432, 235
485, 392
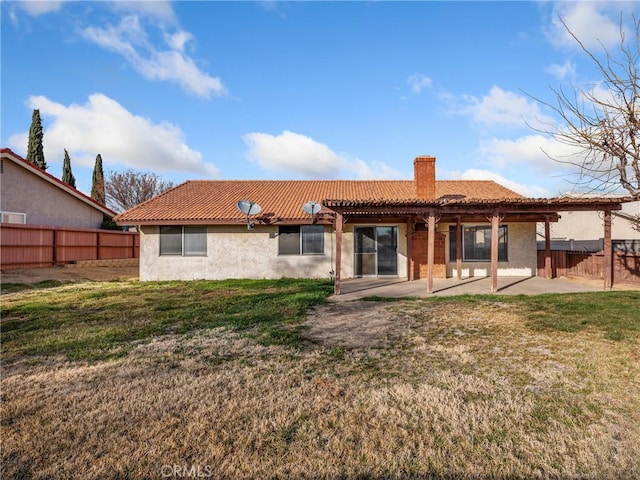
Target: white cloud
564, 71
532, 191
178, 40
130, 40
418, 82
604, 99
501, 108
538, 151
120, 39
40, 7
104, 126
592, 22
160, 9
534, 157
297, 154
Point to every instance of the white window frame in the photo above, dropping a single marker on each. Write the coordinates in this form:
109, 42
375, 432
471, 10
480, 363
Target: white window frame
8, 215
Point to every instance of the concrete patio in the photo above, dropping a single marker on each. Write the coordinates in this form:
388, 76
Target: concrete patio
357, 288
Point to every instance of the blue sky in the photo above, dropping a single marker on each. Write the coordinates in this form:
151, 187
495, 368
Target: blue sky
297, 90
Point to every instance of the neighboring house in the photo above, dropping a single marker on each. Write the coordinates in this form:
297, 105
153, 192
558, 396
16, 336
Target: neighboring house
419, 228
583, 230
29, 195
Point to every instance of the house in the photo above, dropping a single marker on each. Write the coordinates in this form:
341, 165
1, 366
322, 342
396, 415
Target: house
30, 195
420, 228
582, 230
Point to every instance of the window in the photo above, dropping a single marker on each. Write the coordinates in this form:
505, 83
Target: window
476, 243
185, 241
301, 240
13, 217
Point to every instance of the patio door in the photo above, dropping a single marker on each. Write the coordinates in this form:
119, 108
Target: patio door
376, 251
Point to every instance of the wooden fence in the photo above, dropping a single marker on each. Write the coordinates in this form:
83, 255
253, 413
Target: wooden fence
626, 266
32, 246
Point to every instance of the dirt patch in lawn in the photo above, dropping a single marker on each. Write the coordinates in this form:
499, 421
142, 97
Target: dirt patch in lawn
357, 324
63, 274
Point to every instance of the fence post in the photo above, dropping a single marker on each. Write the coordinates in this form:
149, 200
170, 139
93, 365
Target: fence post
54, 247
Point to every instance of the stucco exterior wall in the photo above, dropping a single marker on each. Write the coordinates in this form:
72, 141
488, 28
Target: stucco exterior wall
590, 225
232, 252
42, 202
521, 254
235, 252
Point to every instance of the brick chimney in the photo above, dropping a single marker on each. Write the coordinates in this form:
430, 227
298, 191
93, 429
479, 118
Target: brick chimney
424, 171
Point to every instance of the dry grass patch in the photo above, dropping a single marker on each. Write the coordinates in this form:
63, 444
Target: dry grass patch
452, 389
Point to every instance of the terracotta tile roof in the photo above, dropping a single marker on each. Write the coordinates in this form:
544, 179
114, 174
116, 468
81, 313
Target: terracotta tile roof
281, 200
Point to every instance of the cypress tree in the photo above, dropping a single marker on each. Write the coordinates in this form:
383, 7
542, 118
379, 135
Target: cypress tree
35, 149
97, 182
67, 175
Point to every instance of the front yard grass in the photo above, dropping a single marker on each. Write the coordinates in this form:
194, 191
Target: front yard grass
218, 379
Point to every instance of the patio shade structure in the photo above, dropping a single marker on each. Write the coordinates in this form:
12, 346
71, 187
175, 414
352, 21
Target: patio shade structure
458, 210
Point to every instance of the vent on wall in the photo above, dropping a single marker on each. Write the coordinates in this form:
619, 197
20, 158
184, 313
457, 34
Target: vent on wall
12, 217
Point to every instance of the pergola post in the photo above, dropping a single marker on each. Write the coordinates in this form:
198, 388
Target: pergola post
608, 251
459, 247
336, 284
548, 273
409, 250
495, 221
431, 247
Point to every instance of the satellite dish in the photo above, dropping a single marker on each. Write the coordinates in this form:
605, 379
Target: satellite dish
249, 208
312, 208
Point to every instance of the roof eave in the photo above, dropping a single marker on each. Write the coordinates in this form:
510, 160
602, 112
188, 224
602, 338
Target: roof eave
21, 162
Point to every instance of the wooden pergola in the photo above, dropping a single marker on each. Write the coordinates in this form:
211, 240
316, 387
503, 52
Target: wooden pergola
457, 210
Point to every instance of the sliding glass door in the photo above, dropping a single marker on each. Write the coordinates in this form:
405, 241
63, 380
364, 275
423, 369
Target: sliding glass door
376, 251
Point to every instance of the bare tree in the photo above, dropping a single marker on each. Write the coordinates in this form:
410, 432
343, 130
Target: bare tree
127, 189
602, 124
